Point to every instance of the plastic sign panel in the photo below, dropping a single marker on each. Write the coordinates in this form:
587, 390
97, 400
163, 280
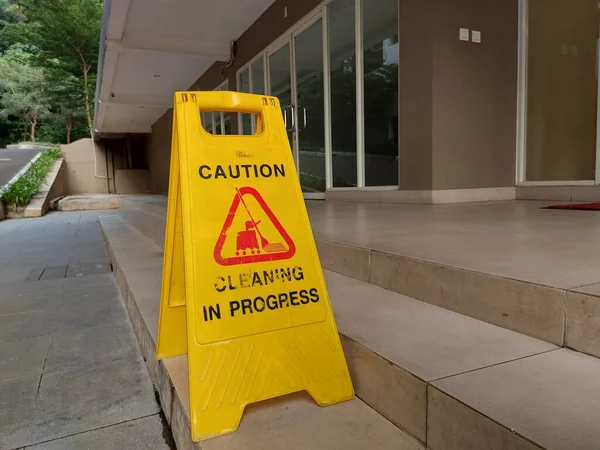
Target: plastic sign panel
243, 293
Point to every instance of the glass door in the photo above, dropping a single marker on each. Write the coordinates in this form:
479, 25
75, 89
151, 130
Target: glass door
295, 71
280, 86
559, 92
310, 102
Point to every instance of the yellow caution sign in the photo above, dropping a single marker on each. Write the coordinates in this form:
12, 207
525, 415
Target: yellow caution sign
241, 272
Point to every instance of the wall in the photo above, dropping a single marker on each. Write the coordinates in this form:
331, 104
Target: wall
132, 181
458, 100
158, 153
474, 94
265, 30
86, 168
79, 157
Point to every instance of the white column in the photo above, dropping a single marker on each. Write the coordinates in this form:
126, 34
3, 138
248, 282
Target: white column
327, 101
360, 101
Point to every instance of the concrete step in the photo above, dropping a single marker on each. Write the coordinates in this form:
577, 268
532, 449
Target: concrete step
155, 204
397, 346
566, 317
290, 422
509, 264
532, 309
455, 382
548, 401
450, 381
89, 202
148, 223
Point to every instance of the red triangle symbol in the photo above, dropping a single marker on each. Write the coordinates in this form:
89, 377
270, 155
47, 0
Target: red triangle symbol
251, 233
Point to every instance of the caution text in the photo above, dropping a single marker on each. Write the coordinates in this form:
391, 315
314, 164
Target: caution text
273, 302
260, 304
258, 278
241, 171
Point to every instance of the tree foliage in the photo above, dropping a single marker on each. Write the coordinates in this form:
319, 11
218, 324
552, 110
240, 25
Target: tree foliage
24, 95
67, 94
10, 12
57, 42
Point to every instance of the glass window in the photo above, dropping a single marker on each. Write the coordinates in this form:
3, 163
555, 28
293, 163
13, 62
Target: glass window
225, 117
218, 128
280, 79
257, 69
343, 92
562, 88
217, 122
258, 76
380, 60
310, 95
207, 121
244, 86
244, 81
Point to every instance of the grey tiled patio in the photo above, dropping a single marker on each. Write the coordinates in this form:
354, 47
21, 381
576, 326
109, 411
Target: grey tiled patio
71, 373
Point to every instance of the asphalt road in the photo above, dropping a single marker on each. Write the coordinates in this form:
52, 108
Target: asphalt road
11, 161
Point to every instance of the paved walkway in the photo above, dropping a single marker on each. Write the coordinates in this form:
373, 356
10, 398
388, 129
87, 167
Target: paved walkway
71, 373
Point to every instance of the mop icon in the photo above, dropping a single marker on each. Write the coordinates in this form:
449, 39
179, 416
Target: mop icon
247, 240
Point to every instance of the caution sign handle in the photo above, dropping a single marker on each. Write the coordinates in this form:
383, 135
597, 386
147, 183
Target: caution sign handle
228, 101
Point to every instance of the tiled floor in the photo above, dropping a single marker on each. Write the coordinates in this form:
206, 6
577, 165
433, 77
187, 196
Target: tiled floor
515, 239
508, 239
71, 373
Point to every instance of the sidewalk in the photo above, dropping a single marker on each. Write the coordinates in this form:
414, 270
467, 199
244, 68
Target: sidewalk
71, 373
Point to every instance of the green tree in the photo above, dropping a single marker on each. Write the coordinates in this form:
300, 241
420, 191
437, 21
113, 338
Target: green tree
24, 95
63, 30
10, 11
66, 96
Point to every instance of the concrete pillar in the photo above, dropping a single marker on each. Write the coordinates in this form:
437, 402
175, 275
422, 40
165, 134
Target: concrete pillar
415, 113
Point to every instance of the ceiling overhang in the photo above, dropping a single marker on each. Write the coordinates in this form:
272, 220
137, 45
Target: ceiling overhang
151, 48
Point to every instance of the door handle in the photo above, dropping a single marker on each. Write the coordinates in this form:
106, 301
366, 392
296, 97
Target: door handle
289, 126
304, 124
285, 118
293, 118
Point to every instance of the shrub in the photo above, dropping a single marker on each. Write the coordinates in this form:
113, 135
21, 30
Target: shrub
21, 191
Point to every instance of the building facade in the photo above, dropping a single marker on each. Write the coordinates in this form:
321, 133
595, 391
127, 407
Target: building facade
384, 100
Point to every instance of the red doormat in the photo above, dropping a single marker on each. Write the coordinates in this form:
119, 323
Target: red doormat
578, 207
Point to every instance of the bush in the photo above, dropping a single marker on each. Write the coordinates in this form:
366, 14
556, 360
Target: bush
21, 191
